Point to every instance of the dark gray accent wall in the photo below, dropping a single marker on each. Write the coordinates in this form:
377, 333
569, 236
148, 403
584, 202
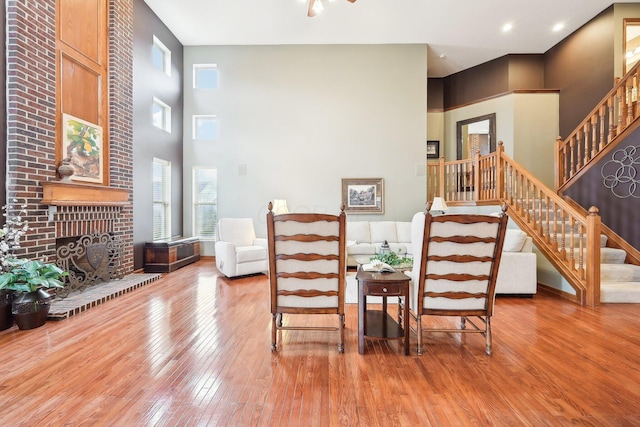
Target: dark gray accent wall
582, 68
592, 189
435, 100
505, 74
476, 83
150, 141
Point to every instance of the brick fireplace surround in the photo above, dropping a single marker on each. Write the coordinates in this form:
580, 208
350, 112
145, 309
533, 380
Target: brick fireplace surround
31, 129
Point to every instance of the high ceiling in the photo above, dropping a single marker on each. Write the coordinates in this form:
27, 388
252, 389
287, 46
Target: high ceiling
459, 33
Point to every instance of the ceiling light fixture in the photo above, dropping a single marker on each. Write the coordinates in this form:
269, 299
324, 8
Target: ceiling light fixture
558, 27
507, 27
316, 6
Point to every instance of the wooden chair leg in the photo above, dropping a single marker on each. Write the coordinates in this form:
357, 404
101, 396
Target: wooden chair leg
274, 331
488, 336
341, 327
419, 332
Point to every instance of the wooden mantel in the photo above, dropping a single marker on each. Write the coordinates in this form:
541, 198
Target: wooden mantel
59, 193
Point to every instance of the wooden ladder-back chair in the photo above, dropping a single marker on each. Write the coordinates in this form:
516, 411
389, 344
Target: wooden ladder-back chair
459, 264
307, 267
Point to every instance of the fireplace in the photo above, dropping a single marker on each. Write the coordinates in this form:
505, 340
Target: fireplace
89, 259
87, 246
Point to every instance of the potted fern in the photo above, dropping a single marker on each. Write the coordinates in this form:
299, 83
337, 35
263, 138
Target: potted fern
28, 279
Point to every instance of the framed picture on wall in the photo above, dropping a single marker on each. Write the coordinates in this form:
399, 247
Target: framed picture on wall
82, 147
363, 195
433, 149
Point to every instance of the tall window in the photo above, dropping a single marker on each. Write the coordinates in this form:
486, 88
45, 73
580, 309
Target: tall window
205, 128
205, 76
161, 199
161, 115
205, 201
161, 56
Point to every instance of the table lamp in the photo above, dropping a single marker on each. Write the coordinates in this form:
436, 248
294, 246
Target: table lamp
439, 205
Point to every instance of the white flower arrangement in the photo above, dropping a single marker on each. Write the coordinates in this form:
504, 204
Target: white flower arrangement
12, 231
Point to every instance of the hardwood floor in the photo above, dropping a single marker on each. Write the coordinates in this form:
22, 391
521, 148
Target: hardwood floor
194, 349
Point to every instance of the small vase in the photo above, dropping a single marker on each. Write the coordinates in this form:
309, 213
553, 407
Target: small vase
65, 170
30, 309
6, 318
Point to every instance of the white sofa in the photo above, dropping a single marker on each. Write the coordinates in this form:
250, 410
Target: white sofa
364, 239
517, 271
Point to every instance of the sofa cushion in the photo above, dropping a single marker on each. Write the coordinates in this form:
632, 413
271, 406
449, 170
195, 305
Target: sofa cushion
363, 249
513, 240
383, 230
404, 231
358, 232
250, 253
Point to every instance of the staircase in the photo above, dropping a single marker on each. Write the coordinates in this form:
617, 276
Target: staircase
565, 233
619, 281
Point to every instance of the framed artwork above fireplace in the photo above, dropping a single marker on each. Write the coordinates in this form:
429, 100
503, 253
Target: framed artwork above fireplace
82, 147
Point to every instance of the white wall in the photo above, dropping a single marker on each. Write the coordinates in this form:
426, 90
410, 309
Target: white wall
527, 124
297, 119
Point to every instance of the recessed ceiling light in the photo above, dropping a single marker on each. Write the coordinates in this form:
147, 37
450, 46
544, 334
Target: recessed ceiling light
558, 26
507, 27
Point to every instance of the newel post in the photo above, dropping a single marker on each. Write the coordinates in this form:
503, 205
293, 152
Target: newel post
441, 173
476, 176
500, 173
593, 257
558, 163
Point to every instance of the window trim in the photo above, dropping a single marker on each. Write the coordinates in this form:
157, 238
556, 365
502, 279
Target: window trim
197, 67
194, 128
166, 57
196, 203
166, 115
166, 200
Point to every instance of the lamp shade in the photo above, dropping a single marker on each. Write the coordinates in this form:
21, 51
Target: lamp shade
280, 206
439, 204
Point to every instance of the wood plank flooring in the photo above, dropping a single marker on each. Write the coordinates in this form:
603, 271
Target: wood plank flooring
193, 349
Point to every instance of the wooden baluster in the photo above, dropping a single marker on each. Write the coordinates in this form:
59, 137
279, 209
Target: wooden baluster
629, 103
612, 127
563, 236
475, 176
594, 135
603, 122
499, 175
581, 251
622, 109
572, 153
581, 142
547, 220
559, 175
572, 244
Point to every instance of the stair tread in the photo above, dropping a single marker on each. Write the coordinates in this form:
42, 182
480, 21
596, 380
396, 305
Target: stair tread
619, 273
620, 292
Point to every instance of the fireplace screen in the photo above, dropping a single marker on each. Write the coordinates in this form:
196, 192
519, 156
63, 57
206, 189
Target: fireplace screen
91, 259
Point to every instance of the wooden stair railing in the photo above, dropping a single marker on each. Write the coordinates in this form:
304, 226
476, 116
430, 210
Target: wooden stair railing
565, 235
617, 110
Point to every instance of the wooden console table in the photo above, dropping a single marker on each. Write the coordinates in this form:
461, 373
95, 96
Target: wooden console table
379, 324
167, 255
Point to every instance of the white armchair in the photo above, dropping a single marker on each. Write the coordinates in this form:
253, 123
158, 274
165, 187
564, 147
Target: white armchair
238, 251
